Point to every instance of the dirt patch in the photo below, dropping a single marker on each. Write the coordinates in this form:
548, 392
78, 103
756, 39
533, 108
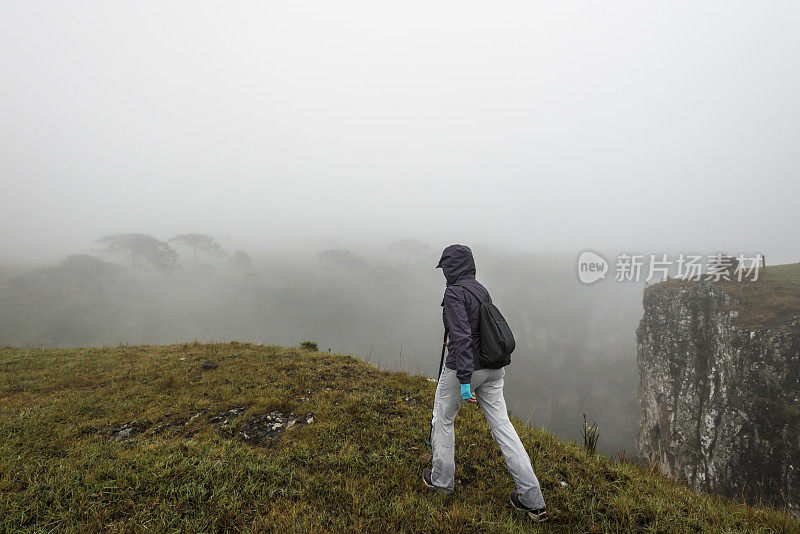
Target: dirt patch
227, 417
258, 430
175, 424
126, 431
263, 429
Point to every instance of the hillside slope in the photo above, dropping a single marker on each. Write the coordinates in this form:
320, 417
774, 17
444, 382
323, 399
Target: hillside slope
224, 437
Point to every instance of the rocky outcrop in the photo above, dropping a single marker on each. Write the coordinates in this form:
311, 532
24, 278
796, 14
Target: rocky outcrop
720, 403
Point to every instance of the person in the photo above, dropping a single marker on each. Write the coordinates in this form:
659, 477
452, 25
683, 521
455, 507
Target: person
464, 380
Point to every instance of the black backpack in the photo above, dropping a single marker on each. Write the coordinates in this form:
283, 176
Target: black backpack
497, 341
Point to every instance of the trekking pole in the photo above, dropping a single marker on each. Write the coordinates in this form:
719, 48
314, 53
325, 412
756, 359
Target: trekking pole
438, 376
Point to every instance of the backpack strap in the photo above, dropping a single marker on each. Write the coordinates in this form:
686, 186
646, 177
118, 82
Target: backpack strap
480, 300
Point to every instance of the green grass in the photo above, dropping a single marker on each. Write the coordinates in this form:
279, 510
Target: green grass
772, 298
356, 468
768, 301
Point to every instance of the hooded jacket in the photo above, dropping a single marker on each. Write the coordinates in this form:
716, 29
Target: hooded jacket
461, 314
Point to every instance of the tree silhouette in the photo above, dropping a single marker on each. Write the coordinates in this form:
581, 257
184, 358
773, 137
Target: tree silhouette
202, 242
242, 260
141, 248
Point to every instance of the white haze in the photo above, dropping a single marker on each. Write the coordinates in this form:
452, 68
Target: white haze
538, 126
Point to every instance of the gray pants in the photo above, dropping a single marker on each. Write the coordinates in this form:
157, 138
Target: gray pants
487, 387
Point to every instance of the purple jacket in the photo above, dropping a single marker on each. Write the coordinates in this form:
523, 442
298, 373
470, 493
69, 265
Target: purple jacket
461, 311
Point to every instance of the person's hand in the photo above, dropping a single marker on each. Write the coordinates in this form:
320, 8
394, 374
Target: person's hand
466, 394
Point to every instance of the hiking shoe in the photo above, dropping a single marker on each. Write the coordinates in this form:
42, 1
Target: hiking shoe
536, 515
426, 478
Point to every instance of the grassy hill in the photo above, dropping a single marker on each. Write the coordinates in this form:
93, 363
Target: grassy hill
768, 301
771, 299
225, 437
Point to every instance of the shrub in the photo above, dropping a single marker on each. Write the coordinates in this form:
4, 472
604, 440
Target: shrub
309, 345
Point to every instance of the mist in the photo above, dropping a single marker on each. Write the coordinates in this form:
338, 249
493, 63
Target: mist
575, 351
528, 130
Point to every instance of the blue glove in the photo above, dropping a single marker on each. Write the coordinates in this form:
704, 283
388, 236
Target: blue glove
466, 394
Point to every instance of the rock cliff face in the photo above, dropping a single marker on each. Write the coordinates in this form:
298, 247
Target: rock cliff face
720, 402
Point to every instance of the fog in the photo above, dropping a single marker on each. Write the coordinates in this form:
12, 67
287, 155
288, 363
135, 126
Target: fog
528, 130
575, 344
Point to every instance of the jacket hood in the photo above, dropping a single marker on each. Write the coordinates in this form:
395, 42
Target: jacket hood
457, 263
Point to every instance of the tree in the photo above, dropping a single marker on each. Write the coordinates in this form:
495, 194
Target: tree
202, 242
242, 260
141, 248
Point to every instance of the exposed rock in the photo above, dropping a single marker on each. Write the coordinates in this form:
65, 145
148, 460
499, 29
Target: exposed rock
719, 402
262, 429
208, 365
257, 430
226, 417
126, 431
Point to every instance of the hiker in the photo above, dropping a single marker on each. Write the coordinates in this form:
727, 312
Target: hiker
462, 376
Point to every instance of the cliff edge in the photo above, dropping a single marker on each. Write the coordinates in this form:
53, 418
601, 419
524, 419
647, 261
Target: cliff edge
719, 384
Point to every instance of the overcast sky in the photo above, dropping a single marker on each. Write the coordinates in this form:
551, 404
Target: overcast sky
541, 125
